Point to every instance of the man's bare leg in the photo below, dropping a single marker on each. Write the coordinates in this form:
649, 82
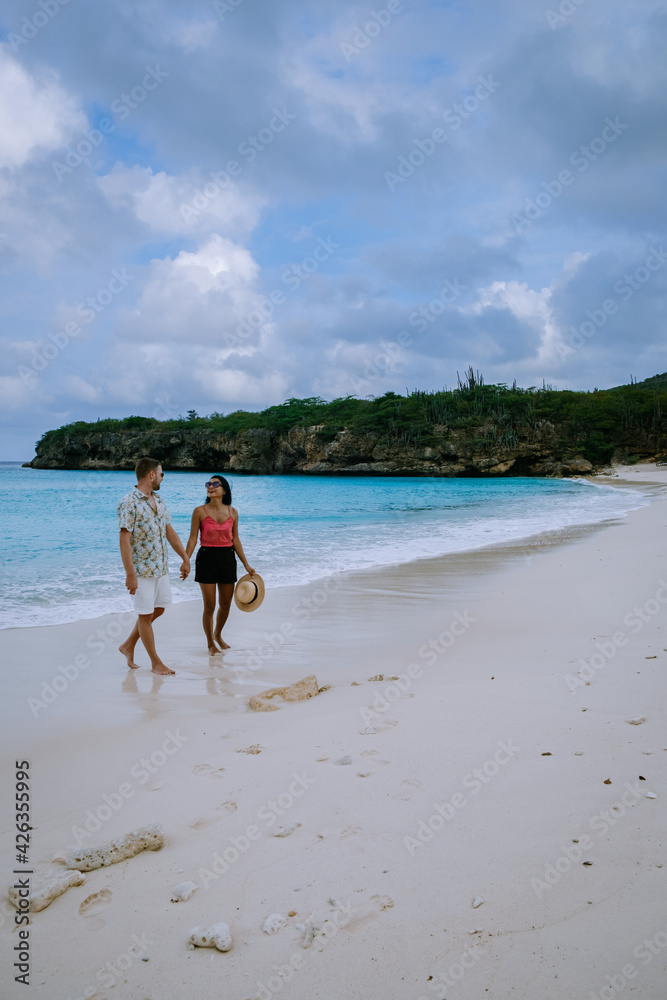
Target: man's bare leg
127, 648
225, 594
148, 639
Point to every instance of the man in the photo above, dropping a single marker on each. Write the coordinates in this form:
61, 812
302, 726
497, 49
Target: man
144, 532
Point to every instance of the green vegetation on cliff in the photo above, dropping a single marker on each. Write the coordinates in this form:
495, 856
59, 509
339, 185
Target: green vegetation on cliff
627, 420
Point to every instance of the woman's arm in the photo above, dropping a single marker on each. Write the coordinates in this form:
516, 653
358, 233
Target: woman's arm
194, 531
238, 548
177, 546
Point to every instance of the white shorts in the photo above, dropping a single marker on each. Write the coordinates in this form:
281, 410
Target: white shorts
152, 592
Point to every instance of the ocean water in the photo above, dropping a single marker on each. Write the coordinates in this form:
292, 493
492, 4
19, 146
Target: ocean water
61, 562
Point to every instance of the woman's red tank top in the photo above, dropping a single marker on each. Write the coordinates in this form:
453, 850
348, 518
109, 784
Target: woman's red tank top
216, 535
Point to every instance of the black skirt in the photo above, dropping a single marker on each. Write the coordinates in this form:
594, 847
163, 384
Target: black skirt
215, 564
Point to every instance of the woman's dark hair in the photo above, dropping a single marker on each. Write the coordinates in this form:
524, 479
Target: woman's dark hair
226, 491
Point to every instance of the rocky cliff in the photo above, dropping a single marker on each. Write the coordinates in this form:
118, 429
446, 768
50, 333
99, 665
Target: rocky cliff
535, 449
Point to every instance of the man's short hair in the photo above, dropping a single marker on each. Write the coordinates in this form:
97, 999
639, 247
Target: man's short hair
144, 466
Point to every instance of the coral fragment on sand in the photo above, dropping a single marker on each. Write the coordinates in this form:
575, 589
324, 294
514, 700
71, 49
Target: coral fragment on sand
146, 838
46, 887
300, 691
217, 936
182, 892
273, 923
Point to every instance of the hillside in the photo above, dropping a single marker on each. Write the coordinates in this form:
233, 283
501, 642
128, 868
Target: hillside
474, 430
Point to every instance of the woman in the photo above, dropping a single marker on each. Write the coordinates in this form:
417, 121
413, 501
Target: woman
215, 566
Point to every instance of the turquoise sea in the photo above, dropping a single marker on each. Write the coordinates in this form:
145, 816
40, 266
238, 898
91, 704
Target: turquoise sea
60, 558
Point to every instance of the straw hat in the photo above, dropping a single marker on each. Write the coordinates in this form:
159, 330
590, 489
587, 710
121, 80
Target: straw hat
249, 592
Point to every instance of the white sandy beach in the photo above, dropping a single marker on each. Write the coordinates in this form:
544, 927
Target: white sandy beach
492, 768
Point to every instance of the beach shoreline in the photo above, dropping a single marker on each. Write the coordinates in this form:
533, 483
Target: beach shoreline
496, 641
69, 570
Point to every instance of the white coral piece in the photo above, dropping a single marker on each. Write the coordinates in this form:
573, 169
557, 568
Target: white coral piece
146, 838
217, 936
46, 887
273, 923
182, 892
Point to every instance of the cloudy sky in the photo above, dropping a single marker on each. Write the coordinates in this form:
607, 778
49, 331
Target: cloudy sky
215, 206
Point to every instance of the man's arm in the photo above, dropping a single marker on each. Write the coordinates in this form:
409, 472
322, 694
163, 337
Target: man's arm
177, 546
128, 564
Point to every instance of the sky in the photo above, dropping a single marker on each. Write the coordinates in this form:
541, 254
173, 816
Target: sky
215, 206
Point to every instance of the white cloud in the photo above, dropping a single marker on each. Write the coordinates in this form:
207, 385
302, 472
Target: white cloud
34, 114
595, 48
80, 389
15, 393
171, 204
197, 297
527, 304
163, 27
187, 35
531, 307
230, 385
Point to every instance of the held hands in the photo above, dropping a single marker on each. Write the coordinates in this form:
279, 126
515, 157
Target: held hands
185, 568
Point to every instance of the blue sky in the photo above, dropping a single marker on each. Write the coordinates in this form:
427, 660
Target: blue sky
218, 206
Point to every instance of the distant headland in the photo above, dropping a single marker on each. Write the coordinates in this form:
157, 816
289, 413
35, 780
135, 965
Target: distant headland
473, 430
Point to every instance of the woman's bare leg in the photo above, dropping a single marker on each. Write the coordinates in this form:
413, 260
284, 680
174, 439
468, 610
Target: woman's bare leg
208, 594
225, 594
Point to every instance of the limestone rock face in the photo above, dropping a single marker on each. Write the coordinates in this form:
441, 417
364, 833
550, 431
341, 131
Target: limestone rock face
579, 465
487, 449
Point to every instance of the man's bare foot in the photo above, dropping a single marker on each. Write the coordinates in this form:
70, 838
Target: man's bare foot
162, 669
221, 642
128, 653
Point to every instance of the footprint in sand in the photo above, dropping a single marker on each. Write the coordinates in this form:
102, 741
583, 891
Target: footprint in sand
228, 806
369, 910
373, 753
407, 790
207, 771
351, 831
382, 902
204, 822
95, 904
378, 726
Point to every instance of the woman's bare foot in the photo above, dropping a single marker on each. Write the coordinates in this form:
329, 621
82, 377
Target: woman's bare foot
213, 650
221, 642
162, 669
128, 653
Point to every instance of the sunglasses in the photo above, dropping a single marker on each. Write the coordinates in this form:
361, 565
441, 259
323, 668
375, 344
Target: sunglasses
213, 484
